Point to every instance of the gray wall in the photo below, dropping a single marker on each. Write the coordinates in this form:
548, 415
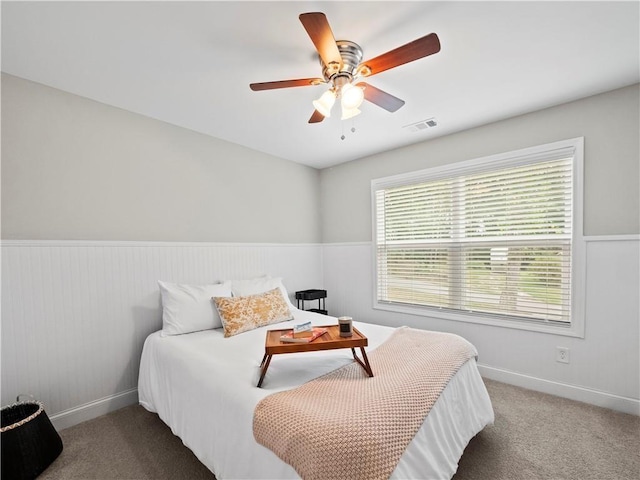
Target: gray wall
76, 169
608, 122
605, 365
80, 180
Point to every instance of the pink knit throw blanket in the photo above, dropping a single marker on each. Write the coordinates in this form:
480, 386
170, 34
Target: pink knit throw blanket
345, 425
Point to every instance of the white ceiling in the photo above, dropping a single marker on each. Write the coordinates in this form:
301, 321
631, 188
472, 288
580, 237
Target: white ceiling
190, 64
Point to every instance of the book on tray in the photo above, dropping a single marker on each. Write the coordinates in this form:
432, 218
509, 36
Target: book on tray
290, 338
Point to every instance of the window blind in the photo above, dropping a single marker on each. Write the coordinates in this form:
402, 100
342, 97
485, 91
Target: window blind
496, 241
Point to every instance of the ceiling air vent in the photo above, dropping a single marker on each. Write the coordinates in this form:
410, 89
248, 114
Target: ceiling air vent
422, 125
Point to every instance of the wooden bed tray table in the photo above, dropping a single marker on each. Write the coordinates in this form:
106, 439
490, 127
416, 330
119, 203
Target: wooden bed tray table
329, 341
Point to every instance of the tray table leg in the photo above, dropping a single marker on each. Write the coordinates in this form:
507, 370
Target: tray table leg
264, 366
365, 364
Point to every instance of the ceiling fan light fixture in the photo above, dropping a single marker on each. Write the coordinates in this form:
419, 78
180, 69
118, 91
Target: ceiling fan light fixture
352, 96
325, 103
348, 113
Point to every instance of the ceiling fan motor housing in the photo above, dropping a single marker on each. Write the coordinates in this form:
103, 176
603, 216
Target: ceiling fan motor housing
351, 54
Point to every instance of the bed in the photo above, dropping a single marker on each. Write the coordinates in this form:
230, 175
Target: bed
203, 386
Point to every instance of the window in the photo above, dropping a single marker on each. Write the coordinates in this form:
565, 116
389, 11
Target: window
495, 240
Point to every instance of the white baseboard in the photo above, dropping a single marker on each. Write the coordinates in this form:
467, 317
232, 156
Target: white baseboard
572, 392
88, 411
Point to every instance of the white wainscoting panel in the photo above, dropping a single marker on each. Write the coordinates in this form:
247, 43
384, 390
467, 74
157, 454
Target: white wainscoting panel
75, 314
604, 366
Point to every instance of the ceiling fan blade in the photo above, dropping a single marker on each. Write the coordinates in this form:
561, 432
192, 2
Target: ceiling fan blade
422, 47
302, 82
317, 117
317, 26
380, 97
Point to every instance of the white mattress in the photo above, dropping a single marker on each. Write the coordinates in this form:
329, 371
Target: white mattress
204, 387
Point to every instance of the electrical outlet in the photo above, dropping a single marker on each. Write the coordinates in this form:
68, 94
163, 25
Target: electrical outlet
562, 354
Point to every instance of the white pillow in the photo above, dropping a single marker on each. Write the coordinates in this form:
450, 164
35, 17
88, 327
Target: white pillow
253, 286
189, 308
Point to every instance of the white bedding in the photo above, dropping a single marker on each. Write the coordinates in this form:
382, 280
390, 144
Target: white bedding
204, 387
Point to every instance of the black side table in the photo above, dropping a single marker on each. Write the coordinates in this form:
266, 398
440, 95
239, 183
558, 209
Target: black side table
319, 295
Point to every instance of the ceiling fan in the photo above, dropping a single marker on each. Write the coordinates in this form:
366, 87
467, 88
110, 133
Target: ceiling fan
342, 66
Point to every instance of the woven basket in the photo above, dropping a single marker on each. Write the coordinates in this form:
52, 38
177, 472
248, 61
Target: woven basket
29, 442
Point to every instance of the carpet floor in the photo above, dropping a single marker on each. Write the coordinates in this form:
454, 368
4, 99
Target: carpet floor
535, 436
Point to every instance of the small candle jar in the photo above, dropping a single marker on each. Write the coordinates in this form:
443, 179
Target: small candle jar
346, 327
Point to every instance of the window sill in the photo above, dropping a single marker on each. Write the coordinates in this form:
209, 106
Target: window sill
573, 330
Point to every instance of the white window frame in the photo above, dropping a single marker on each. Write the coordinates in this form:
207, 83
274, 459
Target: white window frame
492, 162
